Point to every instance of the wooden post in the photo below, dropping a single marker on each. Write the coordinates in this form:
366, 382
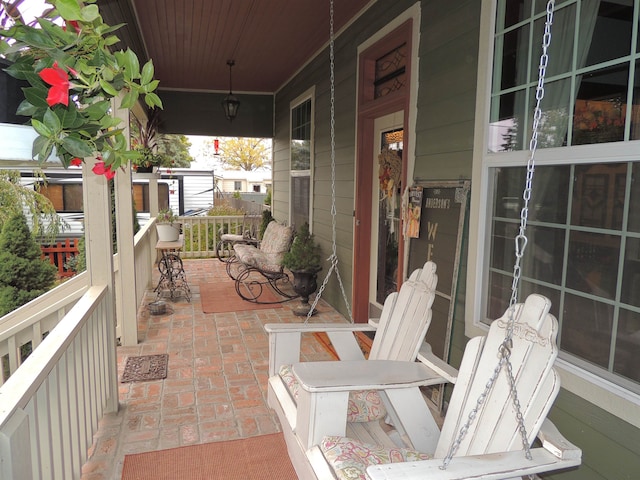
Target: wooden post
126, 307
99, 253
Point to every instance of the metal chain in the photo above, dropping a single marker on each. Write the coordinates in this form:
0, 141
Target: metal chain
334, 255
520, 245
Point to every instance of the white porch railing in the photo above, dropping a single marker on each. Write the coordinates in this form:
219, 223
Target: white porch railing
202, 234
50, 407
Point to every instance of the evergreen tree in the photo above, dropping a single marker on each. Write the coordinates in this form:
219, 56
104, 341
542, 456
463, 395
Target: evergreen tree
23, 274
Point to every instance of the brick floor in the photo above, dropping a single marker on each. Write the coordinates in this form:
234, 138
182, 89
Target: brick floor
216, 383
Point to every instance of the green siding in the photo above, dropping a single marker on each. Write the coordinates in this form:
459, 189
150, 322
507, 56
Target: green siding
443, 151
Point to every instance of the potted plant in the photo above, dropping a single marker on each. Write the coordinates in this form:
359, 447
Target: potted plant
145, 142
303, 260
167, 226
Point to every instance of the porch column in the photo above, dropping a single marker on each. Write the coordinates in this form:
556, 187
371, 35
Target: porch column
99, 253
126, 303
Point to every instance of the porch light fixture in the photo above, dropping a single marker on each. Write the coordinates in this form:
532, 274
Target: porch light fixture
230, 104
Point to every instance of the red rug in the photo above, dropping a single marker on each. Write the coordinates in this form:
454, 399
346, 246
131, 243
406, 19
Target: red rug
221, 297
255, 458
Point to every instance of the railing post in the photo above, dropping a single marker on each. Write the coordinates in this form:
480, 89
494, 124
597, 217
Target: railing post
15, 448
99, 252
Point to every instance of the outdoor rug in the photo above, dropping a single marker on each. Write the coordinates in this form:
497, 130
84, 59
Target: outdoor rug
145, 367
221, 297
255, 458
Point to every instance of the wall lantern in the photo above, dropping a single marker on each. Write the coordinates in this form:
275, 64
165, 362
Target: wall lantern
230, 104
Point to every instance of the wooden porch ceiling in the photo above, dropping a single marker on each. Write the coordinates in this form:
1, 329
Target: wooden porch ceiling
190, 41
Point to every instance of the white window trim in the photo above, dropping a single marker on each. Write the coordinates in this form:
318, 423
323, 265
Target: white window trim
309, 94
612, 398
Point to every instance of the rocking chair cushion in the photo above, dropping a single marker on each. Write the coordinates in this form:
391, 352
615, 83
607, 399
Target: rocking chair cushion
268, 256
349, 459
364, 405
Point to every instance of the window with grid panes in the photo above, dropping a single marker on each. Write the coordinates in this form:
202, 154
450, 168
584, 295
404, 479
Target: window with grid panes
301, 159
583, 249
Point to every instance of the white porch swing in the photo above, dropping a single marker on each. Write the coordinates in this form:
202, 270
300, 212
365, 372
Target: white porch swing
503, 392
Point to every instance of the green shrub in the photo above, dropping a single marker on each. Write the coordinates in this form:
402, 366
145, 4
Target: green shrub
23, 274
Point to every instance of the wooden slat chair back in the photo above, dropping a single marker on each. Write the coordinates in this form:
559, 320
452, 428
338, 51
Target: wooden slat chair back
400, 333
492, 446
534, 351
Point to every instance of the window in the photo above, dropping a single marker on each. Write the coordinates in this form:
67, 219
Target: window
237, 185
256, 188
583, 249
301, 160
65, 197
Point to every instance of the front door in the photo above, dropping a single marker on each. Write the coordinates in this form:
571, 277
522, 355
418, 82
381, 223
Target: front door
386, 199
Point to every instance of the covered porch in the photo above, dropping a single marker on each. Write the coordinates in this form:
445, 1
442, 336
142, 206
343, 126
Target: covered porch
216, 383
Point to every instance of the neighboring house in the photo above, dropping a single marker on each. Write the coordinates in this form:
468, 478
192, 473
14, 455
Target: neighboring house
258, 181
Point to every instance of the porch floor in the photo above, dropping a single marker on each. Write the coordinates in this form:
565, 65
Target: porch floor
216, 383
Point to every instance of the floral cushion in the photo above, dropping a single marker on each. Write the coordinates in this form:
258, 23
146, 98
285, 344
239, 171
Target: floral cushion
268, 257
364, 405
349, 459
276, 239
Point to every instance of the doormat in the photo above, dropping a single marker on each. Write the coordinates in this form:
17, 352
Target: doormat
145, 367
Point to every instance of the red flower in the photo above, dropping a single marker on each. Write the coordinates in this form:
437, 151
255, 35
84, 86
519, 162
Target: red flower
76, 162
74, 24
59, 81
101, 169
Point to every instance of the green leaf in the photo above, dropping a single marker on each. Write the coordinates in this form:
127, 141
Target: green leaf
97, 110
129, 62
68, 116
52, 121
77, 147
36, 96
153, 100
129, 99
147, 73
69, 9
111, 40
108, 88
35, 37
90, 13
26, 109
151, 86
41, 128
42, 148
19, 69
55, 31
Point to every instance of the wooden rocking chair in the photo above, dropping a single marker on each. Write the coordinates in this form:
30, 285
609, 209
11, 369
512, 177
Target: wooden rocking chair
492, 446
399, 334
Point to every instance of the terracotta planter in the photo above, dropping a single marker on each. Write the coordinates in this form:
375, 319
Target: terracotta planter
168, 232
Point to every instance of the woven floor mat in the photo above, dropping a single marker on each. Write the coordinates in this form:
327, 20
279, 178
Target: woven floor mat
145, 367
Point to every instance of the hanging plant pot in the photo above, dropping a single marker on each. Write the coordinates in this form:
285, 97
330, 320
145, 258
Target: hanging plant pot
168, 232
149, 169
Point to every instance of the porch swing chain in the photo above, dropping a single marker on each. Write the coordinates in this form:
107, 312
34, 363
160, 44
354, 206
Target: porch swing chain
520, 245
334, 256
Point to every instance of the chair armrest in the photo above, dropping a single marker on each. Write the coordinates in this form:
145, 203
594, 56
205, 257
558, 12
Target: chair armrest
276, 328
495, 466
446, 371
554, 442
285, 338
363, 375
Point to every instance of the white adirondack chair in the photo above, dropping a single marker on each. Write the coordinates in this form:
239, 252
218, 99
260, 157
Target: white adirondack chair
492, 447
399, 335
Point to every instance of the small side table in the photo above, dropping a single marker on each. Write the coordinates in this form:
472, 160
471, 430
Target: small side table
172, 276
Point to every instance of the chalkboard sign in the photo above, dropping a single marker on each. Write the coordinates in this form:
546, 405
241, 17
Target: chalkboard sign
442, 217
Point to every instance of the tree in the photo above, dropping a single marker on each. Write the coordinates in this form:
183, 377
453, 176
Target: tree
23, 274
175, 148
247, 154
14, 197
